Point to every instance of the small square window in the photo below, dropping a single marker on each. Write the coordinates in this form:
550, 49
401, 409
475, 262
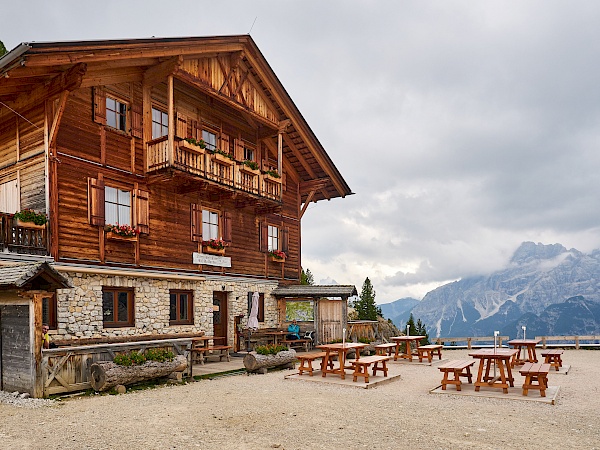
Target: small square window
160, 123
249, 154
116, 114
117, 206
117, 307
181, 308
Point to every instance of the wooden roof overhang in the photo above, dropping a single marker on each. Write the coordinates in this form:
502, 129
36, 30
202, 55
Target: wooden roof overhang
315, 291
31, 277
33, 70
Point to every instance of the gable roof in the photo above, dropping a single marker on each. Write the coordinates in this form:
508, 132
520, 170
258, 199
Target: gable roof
31, 276
71, 65
315, 291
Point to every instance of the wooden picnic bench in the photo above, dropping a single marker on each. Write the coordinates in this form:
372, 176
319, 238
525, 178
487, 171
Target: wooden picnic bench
460, 368
221, 351
387, 348
361, 366
429, 351
291, 343
307, 359
553, 357
535, 372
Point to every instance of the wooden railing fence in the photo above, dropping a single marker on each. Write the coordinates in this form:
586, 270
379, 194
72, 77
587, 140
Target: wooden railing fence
569, 341
451, 342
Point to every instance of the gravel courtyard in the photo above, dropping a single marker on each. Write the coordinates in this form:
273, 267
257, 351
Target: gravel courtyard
268, 411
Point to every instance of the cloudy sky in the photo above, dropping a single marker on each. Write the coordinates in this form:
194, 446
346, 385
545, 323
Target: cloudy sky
463, 127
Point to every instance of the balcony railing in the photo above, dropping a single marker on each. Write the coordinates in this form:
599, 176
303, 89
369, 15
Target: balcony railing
22, 238
214, 167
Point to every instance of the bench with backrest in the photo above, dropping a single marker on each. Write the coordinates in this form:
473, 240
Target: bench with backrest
387, 348
428, 351
297, 343
553, 357
458, 367
307, 359
217, 350
535, 372
361, 366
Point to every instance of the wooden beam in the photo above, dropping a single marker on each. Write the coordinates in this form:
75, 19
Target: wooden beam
307, 202
171, 113
298, 155
62, 102
313, 185
159, 73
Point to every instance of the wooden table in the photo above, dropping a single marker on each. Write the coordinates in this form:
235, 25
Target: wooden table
501, 358
525, 345
276, 335
203, 343
342, 350
407, 340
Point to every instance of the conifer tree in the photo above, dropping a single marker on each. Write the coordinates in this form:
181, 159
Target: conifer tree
410, 324
365, 306
2, 49
306, 277
422, 331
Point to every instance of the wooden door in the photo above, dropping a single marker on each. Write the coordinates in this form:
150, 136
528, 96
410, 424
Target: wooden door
220, 313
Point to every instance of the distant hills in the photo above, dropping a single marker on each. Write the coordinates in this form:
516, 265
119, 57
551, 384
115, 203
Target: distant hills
547, 288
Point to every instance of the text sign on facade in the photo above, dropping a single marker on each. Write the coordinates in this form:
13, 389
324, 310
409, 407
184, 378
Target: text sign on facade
211, 260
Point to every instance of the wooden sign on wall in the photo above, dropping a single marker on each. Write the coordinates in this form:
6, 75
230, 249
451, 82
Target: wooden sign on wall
211, 260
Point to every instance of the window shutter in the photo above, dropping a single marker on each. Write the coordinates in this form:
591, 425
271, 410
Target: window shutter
96, 201
136, 121
285, 240
181, 129
264, 237
227, 226
99, 99
196, 211
142, 211
261, 307
238, 149
224, 145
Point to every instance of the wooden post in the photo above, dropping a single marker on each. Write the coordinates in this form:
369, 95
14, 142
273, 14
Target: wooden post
36, 339
171, 112
577, 342
469, 343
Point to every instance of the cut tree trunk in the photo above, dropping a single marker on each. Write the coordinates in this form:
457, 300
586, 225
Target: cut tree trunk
107, 374
254, 362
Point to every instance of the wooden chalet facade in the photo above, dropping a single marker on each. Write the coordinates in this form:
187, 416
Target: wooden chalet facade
183, 141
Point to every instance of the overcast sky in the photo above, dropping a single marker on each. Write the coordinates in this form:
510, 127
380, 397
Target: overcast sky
463, 127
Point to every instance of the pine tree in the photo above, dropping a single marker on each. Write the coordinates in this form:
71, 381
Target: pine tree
412, 328
422, 331
306, 277
365, 306
2, 49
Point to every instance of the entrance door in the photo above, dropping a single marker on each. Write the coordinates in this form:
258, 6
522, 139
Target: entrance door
220, 313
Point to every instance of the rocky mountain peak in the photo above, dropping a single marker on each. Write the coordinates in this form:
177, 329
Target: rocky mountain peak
530, 251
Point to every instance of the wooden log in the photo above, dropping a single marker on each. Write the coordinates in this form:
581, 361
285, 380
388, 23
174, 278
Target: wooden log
107, 374
254, 362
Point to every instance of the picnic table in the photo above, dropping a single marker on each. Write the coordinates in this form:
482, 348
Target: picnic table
501, 359
528, 348
407, 340
341, 349
201, 347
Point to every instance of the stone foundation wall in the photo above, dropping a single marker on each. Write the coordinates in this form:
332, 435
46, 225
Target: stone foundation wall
79, 310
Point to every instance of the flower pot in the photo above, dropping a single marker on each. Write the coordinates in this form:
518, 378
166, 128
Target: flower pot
185, 145
272, 179
222, 159
20, 223
117, 237
277, 260
246, 169
213, 251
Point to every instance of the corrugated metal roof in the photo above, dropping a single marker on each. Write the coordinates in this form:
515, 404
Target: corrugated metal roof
19, 274
305, 290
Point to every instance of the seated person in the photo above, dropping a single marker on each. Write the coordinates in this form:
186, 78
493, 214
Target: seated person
293, 331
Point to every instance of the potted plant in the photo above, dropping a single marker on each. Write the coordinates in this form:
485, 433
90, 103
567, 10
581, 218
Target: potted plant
121, 232
250, 166
214, 246
30, 219
272, 175
224, 157
277, 256
191, 143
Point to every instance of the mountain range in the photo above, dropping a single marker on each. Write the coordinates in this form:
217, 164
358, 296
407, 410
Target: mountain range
546, 288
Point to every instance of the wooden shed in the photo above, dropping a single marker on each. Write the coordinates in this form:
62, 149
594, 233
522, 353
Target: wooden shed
23, 288
328, 304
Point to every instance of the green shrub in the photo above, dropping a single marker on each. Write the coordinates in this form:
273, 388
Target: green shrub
364, 340
137, 359
270, 349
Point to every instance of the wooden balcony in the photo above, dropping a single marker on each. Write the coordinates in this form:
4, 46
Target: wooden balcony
216, 168
22, 238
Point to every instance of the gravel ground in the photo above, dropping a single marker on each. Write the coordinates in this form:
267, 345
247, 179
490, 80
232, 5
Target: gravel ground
268, 411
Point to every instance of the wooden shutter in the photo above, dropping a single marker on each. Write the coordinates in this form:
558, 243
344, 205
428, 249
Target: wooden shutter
137, 128
264, 237
224, 144
196, 230
99, 100
227, 226
285, 240
238, 149
142, 209
261, 307
96, 201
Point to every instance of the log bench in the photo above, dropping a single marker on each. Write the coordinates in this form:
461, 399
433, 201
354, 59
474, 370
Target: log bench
428, 351
218, 350
295, 343
535, 372
385, 349
306, 362
460, 368
553, 357
361, 366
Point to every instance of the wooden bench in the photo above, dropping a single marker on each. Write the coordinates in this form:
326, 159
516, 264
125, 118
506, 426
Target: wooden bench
306, 362
361, 366
460, 368
535, 372
223, 351
296, 343
429, 351
553, 357
385, 349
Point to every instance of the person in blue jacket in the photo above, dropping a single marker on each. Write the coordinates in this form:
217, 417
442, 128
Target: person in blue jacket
293, 331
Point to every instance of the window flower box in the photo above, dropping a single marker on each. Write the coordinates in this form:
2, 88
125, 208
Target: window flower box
272, 176
214, 247
221, 158
28, 218
121, 233
31, 225
193, 146
213, 251
117, 237
247, 169
277, 256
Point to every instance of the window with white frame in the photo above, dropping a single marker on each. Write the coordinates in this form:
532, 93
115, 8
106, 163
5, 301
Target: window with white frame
210, 139
117, 206
248, 154
210, 225
116, 114
160, 123
273, 235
